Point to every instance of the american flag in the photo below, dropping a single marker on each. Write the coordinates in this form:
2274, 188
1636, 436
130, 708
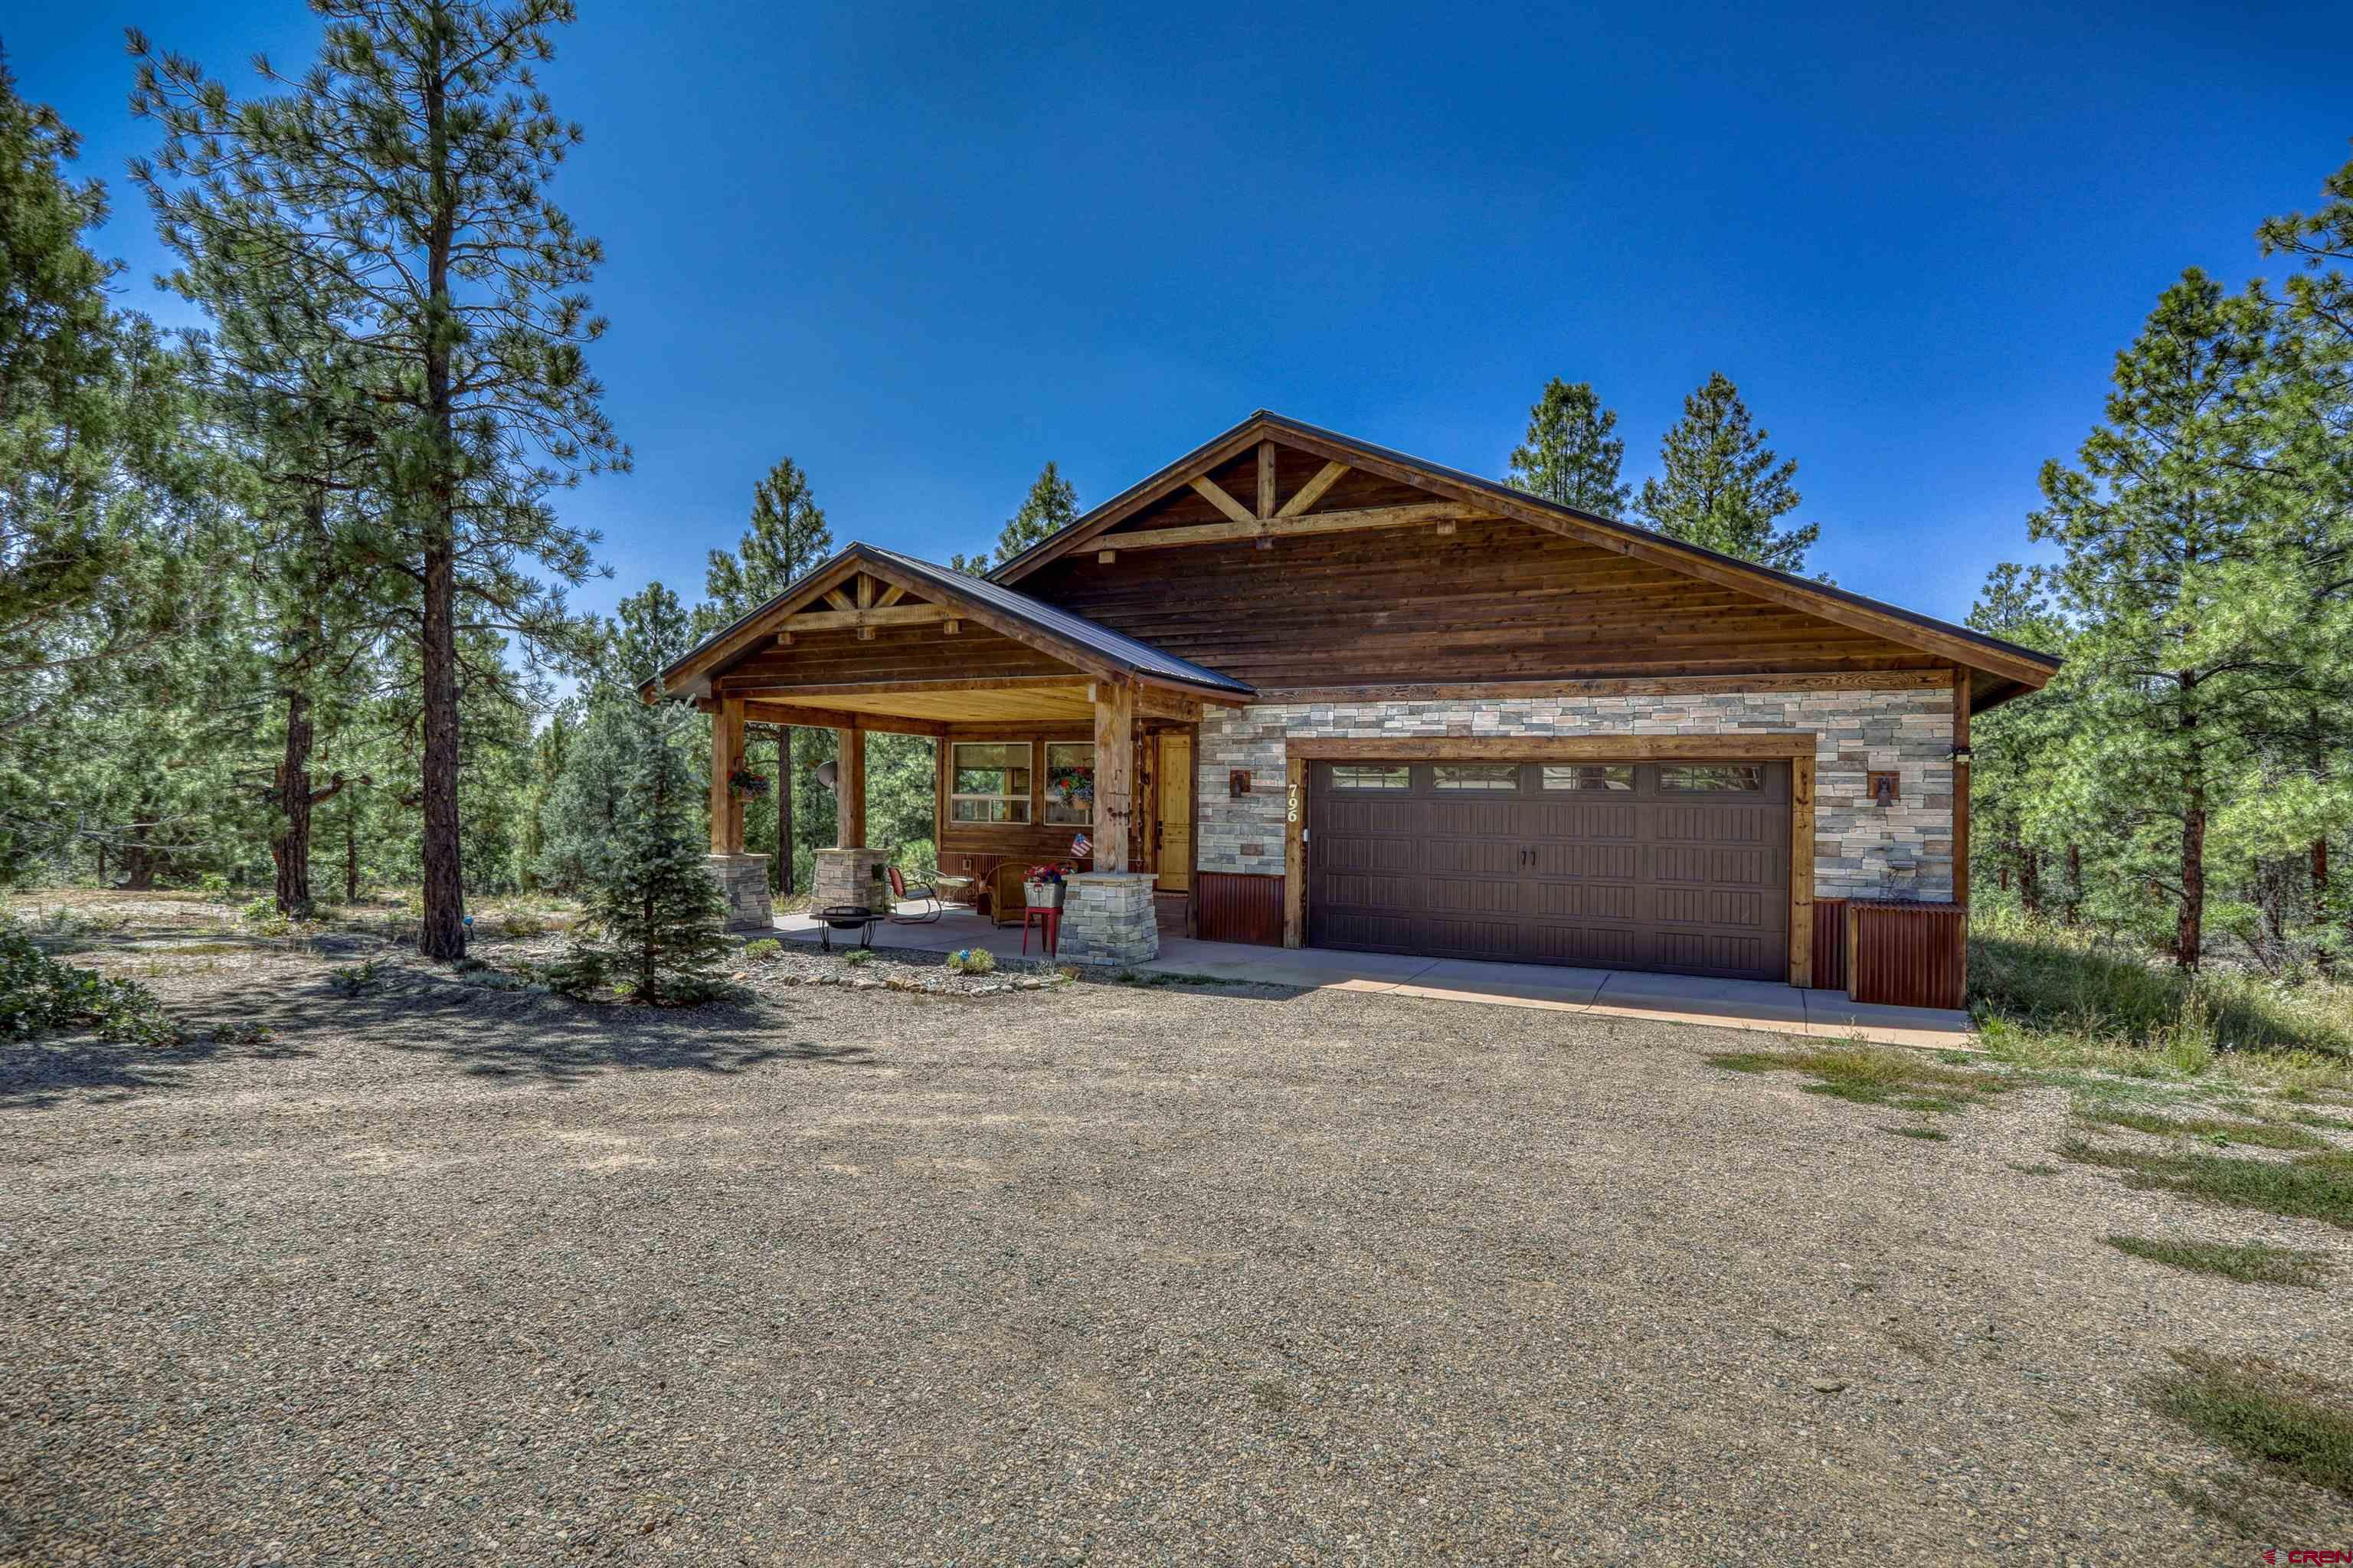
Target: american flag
1082, 847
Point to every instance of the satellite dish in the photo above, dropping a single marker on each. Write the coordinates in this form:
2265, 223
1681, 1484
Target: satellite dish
826, 772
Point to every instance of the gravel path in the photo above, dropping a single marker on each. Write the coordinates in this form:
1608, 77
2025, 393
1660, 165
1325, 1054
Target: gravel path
449, 1275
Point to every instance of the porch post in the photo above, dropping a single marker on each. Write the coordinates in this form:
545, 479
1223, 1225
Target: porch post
1107, 913
726, 756
850, 790
1114, 772
742, 878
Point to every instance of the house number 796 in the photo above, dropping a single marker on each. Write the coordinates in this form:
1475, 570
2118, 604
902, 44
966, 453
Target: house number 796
1291, 810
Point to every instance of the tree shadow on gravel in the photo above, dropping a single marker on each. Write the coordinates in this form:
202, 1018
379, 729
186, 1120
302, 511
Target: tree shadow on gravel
39, 1074
466, 1021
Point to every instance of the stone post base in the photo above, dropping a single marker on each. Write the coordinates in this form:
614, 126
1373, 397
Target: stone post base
744, 879
850, 877
1108, 919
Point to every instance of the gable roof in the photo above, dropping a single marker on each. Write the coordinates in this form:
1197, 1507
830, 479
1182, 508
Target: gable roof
2024, 668
1086, 644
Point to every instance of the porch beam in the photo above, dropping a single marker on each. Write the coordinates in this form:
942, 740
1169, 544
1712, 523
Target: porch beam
849, 788
1114, 703
758, 712
1074, 682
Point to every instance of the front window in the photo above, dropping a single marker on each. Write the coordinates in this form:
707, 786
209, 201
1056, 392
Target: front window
990, 782
1070, 783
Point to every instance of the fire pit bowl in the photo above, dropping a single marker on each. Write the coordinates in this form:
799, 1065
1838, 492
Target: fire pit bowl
855, 917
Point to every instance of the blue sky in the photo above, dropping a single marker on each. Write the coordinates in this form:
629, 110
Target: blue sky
923, 251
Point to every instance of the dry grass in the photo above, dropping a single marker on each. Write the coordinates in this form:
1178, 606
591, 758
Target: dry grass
2249, 1263
2054, 999
1871, 1076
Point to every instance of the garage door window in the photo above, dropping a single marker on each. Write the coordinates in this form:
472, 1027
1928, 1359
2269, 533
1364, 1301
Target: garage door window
1713, 778
1352, 776
1588, 776
1478, 776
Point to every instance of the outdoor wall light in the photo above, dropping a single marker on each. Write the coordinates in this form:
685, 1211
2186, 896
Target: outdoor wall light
826, 772
1960, 754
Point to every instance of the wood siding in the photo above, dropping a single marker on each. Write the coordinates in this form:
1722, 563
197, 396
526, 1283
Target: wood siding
1494, 600
967, 848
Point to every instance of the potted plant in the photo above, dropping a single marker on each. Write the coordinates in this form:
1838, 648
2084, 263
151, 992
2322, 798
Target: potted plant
747, 784
1042, 888
1074, 785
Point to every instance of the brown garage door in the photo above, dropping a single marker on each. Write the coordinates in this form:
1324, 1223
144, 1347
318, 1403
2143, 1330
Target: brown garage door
1649, 866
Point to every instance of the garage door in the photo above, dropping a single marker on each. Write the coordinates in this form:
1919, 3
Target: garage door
1681, 867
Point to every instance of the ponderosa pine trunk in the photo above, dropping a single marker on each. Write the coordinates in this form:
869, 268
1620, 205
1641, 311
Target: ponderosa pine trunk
2189, 928
351, 853
2074, 883
443, 933
2030, 882
290, 846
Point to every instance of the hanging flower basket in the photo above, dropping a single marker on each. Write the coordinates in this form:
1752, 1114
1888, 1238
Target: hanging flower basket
1075, 788
743, 781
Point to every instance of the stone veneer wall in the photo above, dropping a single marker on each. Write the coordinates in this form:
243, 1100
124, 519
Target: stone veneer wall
744, 882
1860, 850
850, 877
1108, 919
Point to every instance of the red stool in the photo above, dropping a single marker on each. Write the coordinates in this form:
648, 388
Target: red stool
1051, 937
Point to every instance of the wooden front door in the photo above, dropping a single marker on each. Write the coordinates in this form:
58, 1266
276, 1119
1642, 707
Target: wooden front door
1172, 814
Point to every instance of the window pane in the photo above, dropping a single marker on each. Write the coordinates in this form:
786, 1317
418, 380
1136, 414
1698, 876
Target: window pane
992, 754
1352, 776
992, 781
1478, 776
1745, 776
1588, 776
1070, 783
987, 811
1062, 754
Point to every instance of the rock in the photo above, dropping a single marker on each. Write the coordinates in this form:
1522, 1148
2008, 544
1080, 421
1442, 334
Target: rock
1826, 1384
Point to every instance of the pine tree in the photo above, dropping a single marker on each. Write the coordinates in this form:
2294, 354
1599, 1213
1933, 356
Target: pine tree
2187, 603
104, 544
1570, 456
787, 539
660, 917
2015, 746
1051, 505
1720, 486
409, 170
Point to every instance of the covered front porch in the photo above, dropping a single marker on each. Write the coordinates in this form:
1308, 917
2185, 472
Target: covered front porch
1057, 741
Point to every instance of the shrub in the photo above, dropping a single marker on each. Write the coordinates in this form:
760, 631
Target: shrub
38, 995
358, 979
763, 950
972, 961
858, 956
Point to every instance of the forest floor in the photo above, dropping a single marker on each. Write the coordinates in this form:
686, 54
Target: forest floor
438, 1266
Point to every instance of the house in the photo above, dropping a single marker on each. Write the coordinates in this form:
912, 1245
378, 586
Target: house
1320, 692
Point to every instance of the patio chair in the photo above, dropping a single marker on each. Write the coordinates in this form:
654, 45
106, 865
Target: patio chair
903, 894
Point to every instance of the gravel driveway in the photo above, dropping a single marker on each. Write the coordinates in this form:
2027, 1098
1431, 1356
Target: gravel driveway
1092, 1274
